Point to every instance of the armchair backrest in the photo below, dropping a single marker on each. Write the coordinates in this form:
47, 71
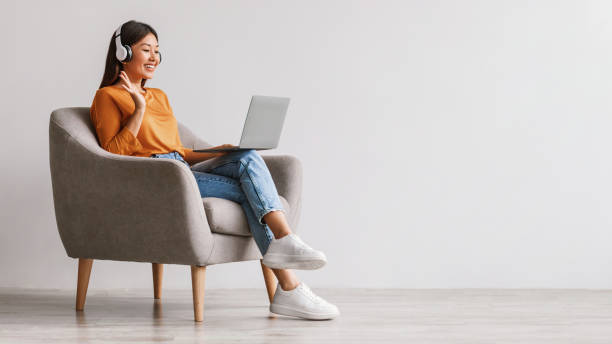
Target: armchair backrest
77, 122
118, 207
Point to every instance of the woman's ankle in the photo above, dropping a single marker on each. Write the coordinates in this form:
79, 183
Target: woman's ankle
290, 286
280, 235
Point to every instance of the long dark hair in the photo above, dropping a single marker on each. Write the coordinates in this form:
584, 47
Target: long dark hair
131, 32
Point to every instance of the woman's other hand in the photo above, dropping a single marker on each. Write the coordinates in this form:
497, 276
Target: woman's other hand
203, 156
137, 96
227, 145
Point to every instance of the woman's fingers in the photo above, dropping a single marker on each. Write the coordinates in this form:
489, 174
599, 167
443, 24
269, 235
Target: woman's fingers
124, 81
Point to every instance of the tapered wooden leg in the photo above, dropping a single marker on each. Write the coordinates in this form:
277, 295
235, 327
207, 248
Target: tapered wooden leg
270, 280
158, 276
198, 273
83, 282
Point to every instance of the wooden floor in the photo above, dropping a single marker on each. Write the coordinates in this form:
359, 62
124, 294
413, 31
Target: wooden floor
368, 316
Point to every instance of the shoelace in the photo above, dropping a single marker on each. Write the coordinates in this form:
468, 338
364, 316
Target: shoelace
300, 242
310, 294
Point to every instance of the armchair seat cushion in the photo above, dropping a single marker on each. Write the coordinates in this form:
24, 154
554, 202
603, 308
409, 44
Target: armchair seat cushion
228, 217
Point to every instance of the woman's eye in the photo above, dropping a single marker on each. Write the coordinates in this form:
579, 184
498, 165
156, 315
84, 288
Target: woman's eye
146, 51
157, 52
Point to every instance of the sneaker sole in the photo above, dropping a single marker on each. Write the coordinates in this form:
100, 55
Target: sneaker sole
284, 310
276, 261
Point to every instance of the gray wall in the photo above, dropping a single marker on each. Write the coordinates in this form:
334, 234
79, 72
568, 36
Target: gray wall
444, 143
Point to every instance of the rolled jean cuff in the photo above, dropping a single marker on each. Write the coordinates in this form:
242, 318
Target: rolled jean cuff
266, 211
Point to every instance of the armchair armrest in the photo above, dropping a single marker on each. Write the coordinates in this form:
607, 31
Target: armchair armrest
286, 171
117, 207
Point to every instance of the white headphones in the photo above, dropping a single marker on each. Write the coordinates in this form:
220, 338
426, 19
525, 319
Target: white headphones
123, 53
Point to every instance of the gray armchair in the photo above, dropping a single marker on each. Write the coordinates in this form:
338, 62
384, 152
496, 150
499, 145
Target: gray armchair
138, 209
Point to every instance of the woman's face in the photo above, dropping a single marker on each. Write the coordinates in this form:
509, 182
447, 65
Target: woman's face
145, 58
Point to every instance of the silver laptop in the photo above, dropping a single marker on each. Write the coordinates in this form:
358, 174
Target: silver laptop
263, 125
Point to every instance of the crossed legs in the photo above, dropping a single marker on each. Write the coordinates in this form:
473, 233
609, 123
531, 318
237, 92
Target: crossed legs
277, 223
243, 177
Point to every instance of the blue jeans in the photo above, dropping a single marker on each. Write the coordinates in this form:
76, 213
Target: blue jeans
242, 177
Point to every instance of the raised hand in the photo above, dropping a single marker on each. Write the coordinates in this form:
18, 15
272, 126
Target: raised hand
136, 93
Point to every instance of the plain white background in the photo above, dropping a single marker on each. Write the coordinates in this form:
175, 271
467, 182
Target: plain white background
444, 143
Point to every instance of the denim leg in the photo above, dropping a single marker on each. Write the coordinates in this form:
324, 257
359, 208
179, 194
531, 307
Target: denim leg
212, 185
171, 155
249, 168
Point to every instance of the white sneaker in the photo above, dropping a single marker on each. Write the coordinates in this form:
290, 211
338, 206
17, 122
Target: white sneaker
303, 303
290, 252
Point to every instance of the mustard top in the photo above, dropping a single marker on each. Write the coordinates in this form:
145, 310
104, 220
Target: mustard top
113, 106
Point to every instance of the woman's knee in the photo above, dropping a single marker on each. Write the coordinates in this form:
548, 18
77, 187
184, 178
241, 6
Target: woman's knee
250, 155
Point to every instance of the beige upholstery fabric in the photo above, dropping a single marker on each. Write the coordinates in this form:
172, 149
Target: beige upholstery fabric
227, 217
126, 208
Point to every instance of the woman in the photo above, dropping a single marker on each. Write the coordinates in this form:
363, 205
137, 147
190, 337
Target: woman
133, 120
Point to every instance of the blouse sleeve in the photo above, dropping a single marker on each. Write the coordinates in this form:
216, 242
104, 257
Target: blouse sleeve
190, 156
106, 118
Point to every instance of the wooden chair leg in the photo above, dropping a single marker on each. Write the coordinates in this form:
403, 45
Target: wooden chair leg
158, 276
198, 274
83, 282
270, 280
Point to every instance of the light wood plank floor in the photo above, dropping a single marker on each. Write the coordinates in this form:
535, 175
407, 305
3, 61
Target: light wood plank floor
368, 316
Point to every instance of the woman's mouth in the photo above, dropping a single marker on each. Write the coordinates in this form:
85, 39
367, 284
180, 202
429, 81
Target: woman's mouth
150, 67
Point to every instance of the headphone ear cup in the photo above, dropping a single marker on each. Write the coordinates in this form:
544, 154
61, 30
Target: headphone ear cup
129, 53
160, 57
121, 53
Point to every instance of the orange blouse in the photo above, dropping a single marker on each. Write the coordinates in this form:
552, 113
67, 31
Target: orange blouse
158, 133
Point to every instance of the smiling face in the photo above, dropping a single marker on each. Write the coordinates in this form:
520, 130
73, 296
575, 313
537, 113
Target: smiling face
145, 58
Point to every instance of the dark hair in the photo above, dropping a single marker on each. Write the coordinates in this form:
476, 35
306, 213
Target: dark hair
131, 32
